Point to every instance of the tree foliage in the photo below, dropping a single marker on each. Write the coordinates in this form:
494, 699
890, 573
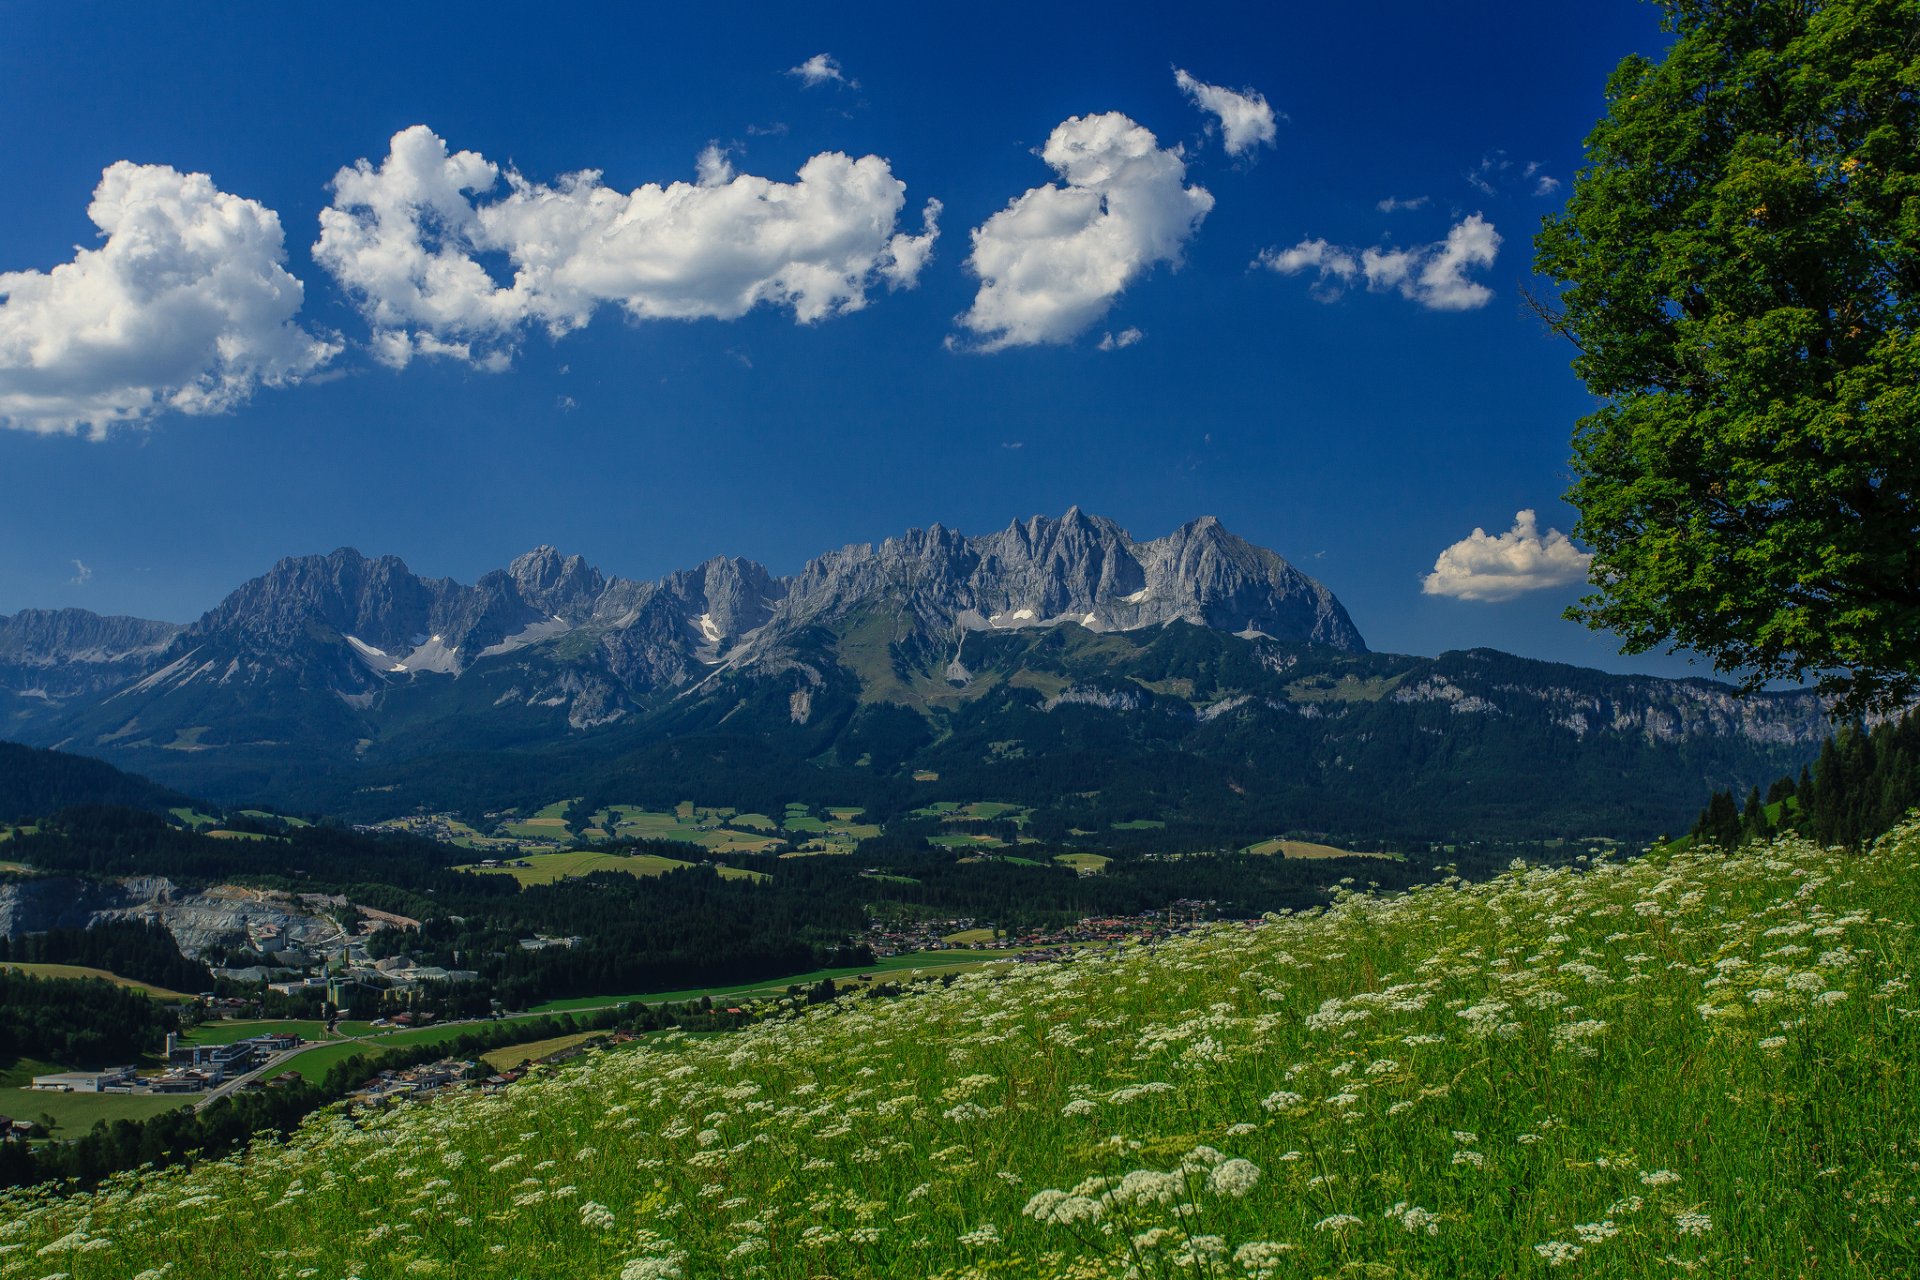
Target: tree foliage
1740, 269
1865, 782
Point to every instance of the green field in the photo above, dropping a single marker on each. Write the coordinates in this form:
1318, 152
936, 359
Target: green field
1308, 849
1141, 824
1089, 863
545, 868
82, 971
75, 1113
965, 840
226, 1031
1680, 1065
193, 817
691, 824
973, 811
313, 1064
966, 936
513, 1055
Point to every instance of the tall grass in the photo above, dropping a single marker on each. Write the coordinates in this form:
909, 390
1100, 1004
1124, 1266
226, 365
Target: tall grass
1687, 1064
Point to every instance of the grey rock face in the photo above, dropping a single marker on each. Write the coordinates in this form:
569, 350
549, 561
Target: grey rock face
52, 657
349, 629
220, 916
1081, 569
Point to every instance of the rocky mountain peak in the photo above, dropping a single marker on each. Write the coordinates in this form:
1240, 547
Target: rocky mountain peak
562, 586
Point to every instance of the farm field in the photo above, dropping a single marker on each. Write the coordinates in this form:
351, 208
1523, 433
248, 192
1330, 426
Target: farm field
35, 970
973, 811
689, 823
1085, 863
1464, 1080
513, 1055
545, 868
1308, 849
549, 823
75, 1113
967, 937
226, 1031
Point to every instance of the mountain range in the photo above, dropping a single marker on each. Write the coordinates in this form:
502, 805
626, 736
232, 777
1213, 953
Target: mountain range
1194, 677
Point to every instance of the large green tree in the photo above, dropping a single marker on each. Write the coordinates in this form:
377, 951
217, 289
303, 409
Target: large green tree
1739, 269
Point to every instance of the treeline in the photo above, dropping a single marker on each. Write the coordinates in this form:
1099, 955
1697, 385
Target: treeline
1864, 782
139, 949
80, 1022
110, 840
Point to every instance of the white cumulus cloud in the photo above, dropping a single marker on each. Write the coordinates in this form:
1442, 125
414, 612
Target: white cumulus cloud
1246, 120
1393, 204
405, 240
1433, 275
186, 305
1054, 260
822, 68
1120, 341
82, 574
1482, 566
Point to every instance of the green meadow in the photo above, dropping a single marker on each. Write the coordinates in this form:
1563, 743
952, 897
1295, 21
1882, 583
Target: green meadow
1694, 1063
545, 868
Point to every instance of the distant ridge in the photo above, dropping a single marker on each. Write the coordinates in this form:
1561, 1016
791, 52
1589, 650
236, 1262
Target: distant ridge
1051, 656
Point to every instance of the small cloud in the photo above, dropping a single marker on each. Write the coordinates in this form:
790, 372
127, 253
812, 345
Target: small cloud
741, 356
565, 404
82, 574
778, 129
1120, 341
1484, 175
1393, 204
1484, 567
1546, 186
1433, 275
822, 68
712, 168
1013, 444
1246, 120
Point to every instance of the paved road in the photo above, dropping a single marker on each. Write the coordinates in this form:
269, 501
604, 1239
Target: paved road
272, 1066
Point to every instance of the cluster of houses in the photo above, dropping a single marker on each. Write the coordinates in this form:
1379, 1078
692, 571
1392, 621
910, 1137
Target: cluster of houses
191, 1068
413, 1082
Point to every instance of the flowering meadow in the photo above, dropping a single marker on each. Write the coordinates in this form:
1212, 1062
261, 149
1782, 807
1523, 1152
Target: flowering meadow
1691, 1063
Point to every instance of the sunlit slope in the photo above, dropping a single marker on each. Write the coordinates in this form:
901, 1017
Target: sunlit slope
1687, 1064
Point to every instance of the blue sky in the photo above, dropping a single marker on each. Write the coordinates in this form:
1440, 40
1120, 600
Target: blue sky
1358, 434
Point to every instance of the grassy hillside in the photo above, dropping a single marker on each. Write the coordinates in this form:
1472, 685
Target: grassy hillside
1692, 1063
86, 971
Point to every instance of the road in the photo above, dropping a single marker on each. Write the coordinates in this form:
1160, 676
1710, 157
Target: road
272, 1066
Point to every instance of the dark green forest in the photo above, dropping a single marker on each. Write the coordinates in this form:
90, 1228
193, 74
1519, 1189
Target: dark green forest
1865, 781
83, 1022
141, 950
